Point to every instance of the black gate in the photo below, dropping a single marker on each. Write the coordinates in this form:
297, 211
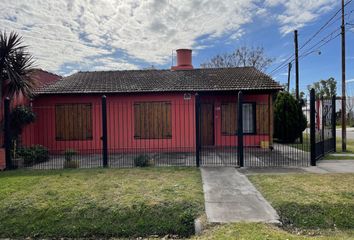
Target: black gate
322, 126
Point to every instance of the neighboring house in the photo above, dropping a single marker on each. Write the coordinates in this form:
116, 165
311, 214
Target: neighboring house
42, 78
154, 109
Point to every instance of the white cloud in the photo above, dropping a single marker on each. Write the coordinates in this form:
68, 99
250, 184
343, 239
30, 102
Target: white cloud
108, 34
298, 13
75, 32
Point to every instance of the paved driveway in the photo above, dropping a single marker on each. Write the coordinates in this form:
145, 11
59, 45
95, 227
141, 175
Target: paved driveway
231, 197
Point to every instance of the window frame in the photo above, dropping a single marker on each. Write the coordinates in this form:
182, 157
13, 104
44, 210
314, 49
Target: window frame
254, 110
90, 138
137, 137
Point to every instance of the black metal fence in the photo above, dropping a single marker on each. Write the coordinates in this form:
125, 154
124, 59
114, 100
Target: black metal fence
191, 131
322, 126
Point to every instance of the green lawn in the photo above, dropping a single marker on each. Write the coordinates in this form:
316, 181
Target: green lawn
305, 146
100, 202
260, 231
350, 145
318, 207
310, 201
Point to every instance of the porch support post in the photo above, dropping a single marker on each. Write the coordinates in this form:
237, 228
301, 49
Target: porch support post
312, 127
104, 132
7, 134
197, 130
239, 131
334, 122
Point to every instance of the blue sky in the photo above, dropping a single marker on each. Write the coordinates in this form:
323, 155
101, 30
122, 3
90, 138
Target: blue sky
67, 36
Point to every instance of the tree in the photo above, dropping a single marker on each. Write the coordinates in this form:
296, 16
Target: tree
242, 57
324, 88
15, 66
289, 120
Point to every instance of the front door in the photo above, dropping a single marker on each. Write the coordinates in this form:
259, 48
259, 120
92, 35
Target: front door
207, 124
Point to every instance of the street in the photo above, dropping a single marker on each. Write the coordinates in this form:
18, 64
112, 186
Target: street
350, 133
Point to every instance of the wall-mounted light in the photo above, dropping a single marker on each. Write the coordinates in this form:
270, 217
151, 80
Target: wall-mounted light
187, 96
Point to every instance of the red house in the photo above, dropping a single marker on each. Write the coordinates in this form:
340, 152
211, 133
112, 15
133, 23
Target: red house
153, 110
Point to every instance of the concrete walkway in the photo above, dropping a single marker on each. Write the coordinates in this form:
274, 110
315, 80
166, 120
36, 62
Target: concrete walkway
336, 166
323, 166
342, 155
231, 197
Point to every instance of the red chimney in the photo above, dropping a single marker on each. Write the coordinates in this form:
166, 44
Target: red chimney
184, 60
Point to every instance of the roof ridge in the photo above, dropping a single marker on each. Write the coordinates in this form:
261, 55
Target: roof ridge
166, 69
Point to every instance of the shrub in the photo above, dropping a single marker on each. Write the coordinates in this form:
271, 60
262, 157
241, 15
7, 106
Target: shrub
71, 164
289, 120
69, 153
141, 161
34, 154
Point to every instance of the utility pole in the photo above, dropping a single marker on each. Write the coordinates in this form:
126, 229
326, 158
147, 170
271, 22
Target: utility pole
289, 71
296, 66
344, 122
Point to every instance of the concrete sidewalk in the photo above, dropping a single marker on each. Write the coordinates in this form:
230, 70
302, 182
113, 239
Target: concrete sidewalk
231, 197
336, 166
323, 166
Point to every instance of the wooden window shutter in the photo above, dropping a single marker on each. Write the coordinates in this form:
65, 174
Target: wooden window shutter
262, 118
73, 121
166, 120
229, 118
152, 120
137, 120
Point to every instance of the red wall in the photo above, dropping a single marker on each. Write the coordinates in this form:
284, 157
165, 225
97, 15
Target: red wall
222, 140
121, 123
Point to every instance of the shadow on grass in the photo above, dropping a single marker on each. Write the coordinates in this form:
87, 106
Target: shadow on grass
322, 215
90, 220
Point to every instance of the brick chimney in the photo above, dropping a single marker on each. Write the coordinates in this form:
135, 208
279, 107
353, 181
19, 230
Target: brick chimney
184, 60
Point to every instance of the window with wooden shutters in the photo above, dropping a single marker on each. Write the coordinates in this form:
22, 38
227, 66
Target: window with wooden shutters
229, 118
152, 120
262, 118
73, 121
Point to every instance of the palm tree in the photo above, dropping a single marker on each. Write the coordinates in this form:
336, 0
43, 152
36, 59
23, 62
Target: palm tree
15, 67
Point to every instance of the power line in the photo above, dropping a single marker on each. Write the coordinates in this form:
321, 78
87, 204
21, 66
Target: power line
324, 41
330, 35
327, 24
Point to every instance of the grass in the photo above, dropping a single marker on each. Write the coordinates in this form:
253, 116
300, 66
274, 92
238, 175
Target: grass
310, 201
350, 145
100, 202
318, 207
331, 157
259, 231
350, 150
305, 146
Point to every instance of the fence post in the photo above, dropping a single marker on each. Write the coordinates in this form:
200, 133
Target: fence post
104, 131
312, 127
334, 122
323, 119
7, 134
239, 131
197, 130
